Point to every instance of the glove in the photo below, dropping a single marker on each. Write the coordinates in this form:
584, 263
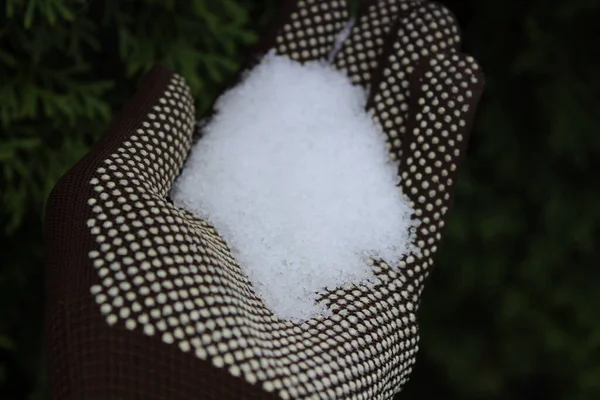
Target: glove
145, 301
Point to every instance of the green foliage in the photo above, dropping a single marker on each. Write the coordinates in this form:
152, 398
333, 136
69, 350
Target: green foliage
65, 67
510, 310
67, 64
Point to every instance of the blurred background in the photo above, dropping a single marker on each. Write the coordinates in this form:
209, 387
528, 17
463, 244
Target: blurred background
512, 311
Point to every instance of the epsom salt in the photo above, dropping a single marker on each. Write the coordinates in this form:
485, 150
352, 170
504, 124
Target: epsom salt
295, 176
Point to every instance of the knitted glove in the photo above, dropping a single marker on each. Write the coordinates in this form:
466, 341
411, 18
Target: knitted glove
145, 301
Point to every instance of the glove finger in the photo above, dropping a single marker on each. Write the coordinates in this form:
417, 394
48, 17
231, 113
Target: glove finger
425, 30
446, 89
360, 53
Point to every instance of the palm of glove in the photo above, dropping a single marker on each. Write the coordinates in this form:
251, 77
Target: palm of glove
146, 300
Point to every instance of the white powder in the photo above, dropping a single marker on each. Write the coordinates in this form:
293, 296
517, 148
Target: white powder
340, 39
296, 178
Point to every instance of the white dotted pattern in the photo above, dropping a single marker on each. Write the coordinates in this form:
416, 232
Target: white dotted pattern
311, 30
443, 104
426, 30
165, 273
359, 54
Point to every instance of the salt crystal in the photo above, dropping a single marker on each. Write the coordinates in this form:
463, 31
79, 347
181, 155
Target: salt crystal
295, 176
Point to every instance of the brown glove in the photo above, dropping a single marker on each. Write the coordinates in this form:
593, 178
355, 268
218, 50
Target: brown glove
145, 301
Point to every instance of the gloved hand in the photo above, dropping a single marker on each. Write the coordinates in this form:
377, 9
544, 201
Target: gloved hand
145, 301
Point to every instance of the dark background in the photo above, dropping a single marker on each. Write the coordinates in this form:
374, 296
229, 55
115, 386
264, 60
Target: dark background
512, 309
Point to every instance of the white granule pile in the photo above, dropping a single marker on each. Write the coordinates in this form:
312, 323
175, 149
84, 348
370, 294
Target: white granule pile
295, 176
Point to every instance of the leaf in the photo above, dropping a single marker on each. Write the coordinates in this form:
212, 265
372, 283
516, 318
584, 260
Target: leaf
6, 343
8, 59
49, 12
29, 13
64, 12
